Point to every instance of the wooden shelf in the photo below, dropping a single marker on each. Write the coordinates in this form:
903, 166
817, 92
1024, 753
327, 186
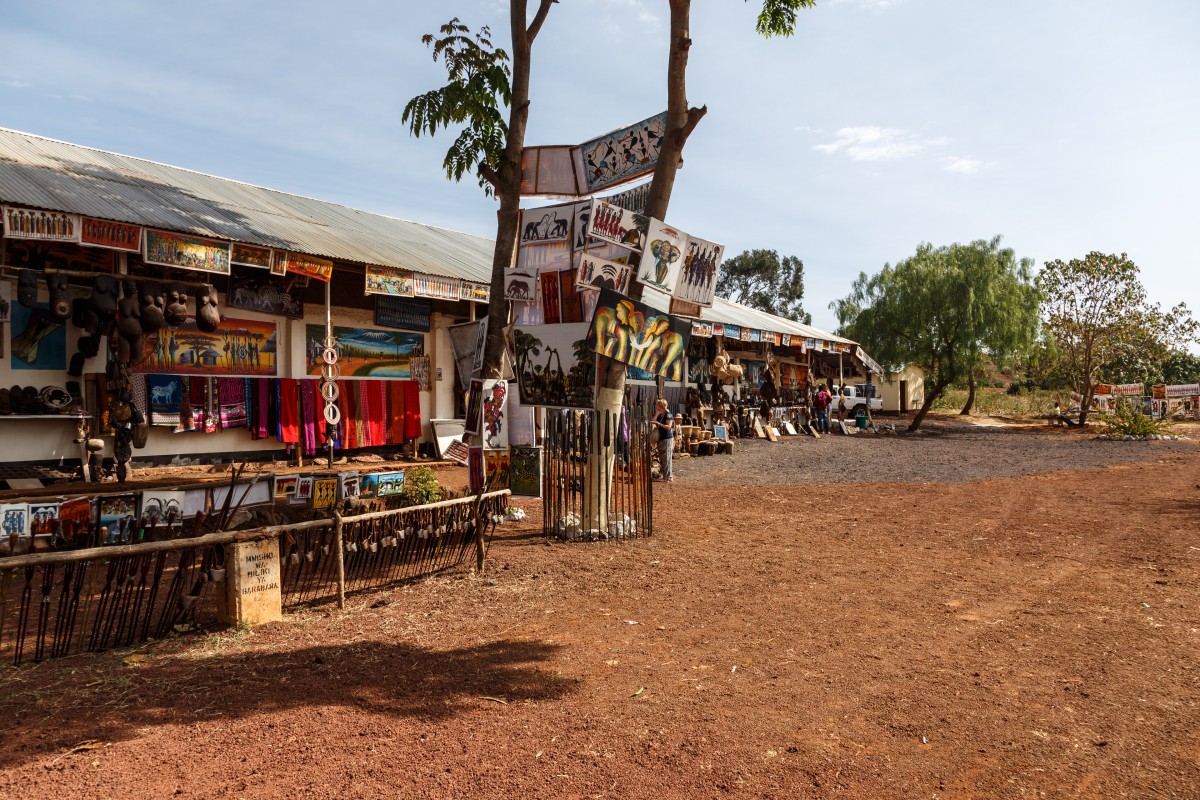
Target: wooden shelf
45, 416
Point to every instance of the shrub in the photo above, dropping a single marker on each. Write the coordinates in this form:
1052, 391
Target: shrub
421, 486
1127, 419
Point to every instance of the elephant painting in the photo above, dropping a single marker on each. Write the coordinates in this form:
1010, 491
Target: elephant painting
638, 335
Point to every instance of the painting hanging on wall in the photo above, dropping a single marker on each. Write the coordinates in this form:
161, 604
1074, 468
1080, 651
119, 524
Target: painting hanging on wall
525, 471
570, 308
303, 264
550, 298
249, 255
698, 276
615, 225
266, 294
474, 412
405, 313
579, 226
662, 257
600, 273
187, 252
33, 223
14, 519
39, 341
116, 518
623, 155
389, 281
365, 352
418, 366
547, 224
636, 334
555, 365
496, 469
474, 292
162, 509
436, 287
494, 407
520, 285
236, 347
111, 235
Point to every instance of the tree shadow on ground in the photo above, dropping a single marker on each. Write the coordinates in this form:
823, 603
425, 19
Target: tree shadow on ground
52, 707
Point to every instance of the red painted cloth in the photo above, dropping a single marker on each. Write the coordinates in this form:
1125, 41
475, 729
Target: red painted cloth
375, 413
348, 408
312, 420
412, 410
395, 412
289, 411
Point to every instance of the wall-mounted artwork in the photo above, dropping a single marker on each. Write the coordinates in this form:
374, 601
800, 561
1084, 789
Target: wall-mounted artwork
600, 273
436, 287
570, 307
405, 313
546, 224
662, 257
249, 255
623, 155
520, 285
474, 292
389, 281
615, 225
525, 471
349, 485
42, 518
304, 489
285, 487
236, 347
267, 295
698, 276
32, 223
112, 235
365, 352
186, 252
550, 298
475, 469
474, 413
579, 228
303, 264
5, 300
382, 484
39, 341
418, 366
496, 464
636, 334
494, 424
555, 365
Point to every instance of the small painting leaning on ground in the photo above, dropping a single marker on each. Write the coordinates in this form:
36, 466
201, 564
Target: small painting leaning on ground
365, 352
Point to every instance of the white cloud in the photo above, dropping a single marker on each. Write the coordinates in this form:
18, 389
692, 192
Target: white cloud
966, 166
873, 143
13, 83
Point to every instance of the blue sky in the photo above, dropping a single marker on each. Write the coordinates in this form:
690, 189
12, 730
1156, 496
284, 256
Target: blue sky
1064, 126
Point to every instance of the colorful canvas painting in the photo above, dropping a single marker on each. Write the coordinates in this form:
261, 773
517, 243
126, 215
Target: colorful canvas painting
161, 509
525, 471
386, 484
266, 294
349, 485
623, 155
520, 285
112, 235
663, 256
14, 519
474, 292
117, 518
636, 334
475, 469
600, 273
43, 518
365, 352
304, 489
236, 347
405, 313
164, 393
303, 264
75, 518
546, 224
634, 199
555, 365
418, 366
496, 464
32, 223
39, 341
436, 287
249, 255
187, 252
615, 225
550, 298
494, 425
285, 487
456, 450
389, 281
324, 492
698, 277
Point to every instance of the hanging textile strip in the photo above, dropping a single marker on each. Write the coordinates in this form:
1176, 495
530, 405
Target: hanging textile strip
412, 410
308, 418
357, 405
261, 396
231, 402
289, 411
166, 396
376, 408
137, 385
349, 439
396, 412
198, 400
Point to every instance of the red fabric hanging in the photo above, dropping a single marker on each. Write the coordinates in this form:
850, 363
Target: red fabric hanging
347, 407
396, 412
412, 410
289, 411
375, 409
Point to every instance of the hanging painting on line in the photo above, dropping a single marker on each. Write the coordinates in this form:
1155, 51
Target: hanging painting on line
615, 225
546, 224
236, 347
600, 273
662, 257
636, 334
555, 365
365, 352
697, 281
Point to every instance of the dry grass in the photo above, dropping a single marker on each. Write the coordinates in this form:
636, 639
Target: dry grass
994, 402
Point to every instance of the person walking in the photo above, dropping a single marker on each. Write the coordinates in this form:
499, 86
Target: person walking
664, 423
822, 406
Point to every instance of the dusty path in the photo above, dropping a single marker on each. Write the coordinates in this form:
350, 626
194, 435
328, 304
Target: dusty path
1019, 636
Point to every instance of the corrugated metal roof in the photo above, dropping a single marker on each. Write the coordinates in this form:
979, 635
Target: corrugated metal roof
728, 312
58, 176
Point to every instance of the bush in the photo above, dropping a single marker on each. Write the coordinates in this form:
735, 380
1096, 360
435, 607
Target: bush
421, 486
1127, 419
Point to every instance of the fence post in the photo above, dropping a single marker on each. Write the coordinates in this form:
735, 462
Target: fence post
341, 559
480, 527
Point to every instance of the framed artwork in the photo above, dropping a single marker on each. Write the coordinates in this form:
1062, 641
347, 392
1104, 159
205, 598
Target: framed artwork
285, 488
570, 307
236, 347
550, 298
579, 227
456, 451
525, 471
324, 492
663, 256
418, 366
436, 287
474, 292
246, 494
520, 286
494, 425
249, 255
111, 235
555, 365
5, 300
365, 352
187, 252
303, 264
75, 517
348, 484
547, 224
615, 225
636, 334
389, 281
304, 489
39, 341
496, 464
600, 273
162, 509
42, 517
382, 484
14, 519
697, 281
32, 223
117, 518
720, 433
267, 295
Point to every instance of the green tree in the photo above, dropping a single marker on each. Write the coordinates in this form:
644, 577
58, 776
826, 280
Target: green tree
480, 85
761, 279
1180, 367
1096, 309
943, 309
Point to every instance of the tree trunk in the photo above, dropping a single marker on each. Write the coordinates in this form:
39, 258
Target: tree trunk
928, 404
966, 410
1085, 405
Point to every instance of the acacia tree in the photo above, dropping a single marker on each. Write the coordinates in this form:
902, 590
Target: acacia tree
940, 309
480, 84
761, 279
1097, 311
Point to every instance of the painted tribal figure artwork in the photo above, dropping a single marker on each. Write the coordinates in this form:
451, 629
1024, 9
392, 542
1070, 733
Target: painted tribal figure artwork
636, 334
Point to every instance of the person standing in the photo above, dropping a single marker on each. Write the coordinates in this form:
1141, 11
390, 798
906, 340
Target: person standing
822, 406
664, 423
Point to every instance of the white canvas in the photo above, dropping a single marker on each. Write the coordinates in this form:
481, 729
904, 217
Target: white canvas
697, 282
663, 256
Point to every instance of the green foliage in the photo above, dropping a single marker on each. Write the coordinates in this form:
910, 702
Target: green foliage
477, 92
1096, 309
778, 17
943, 309
421, 486
760, 279
1127, 419
1179, 367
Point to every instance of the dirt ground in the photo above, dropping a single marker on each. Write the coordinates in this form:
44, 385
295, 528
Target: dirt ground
972, 612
